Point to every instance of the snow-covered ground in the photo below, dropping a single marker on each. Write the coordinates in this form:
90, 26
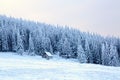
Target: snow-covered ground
15, 67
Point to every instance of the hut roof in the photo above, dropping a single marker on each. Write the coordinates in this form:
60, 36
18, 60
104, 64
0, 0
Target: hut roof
48, 53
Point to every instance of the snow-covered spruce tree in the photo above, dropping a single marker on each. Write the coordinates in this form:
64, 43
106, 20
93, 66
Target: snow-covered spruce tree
95, 49
20, 48
66, 49
113, 56
31, 46
46, 44
109, 55
81, 55
14, 41
59, 46
73, 37
9, 39
37, 40
105, 54
87, 52
118, 48
0, 39
4, 40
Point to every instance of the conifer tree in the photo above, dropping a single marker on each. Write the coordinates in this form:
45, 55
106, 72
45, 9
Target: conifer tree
81, 54
20, 48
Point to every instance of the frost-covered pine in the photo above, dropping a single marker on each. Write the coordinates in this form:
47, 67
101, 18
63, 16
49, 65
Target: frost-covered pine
114, 61
87, 52
20, 48
46, 44
4, 40
81, 55
31, 46
105, 57
103, 54
14, 42
0, 39
66, 49
109, 55
37, 42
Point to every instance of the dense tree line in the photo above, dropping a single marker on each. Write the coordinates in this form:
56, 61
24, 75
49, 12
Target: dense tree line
17, 35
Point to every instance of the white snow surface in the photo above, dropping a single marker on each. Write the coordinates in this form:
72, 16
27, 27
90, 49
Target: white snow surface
15, 67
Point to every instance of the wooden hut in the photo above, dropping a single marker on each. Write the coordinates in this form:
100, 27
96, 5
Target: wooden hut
47, 55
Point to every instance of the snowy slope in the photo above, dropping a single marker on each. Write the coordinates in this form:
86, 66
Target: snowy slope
15, 67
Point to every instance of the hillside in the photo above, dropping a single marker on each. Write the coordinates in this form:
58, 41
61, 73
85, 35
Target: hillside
15, 67
17, 35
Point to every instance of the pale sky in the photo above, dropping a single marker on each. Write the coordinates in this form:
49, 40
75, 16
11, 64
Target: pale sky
99, 16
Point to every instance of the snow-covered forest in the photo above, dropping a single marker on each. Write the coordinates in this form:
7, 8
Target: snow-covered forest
34, 38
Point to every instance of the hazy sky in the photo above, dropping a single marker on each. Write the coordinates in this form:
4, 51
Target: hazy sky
100, 16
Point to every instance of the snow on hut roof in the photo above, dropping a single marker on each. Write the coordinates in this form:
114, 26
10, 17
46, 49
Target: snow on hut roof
48, 53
